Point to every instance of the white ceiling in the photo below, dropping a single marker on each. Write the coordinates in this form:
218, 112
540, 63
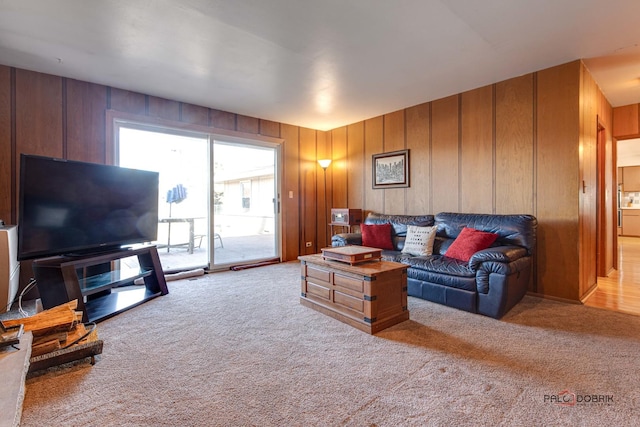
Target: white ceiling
320, 63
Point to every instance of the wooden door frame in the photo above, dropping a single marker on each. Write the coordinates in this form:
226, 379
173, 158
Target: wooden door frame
614, 155
602, 207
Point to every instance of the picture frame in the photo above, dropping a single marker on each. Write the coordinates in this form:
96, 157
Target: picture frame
390, 170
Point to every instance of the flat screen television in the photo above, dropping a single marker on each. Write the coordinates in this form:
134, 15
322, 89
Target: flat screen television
74, 208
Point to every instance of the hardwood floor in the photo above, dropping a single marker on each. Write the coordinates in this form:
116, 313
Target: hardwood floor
621, 290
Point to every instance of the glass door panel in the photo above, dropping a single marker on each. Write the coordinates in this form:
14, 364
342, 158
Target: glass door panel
245, 219
183, 211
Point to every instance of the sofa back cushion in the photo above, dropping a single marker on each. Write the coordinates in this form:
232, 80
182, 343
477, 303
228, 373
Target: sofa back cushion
518, 230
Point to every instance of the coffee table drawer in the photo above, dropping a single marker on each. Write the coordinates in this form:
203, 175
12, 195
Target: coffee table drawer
318, 273
348, 282
348, 301
318, 290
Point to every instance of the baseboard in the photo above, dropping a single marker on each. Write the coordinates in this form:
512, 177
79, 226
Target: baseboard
591, 290
176, 276
550, 297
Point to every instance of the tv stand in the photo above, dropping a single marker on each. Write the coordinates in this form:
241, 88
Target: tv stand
91, 278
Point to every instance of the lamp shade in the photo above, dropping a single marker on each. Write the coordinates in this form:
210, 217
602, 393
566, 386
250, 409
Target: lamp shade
324, 163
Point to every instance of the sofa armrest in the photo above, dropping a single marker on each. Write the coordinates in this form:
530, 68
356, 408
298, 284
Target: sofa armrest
345, 239
500, 273
497, 254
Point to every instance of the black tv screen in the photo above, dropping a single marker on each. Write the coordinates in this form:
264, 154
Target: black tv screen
71, 207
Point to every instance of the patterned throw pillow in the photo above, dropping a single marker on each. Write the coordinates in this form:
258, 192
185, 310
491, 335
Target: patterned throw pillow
376, 236
468, 242
419, 241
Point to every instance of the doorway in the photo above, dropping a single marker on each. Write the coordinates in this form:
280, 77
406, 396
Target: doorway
619, 288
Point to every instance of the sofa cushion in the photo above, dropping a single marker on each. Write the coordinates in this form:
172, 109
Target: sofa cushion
440, 264
376, 236
419, 241
468, 242
442, 270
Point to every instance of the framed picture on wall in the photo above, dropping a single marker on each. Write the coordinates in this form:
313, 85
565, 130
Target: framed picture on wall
391, 170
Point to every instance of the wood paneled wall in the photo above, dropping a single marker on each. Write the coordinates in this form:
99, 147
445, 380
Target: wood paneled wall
599, 184
557, 179
523, 145
59, 117
515, 146
7, 155
626, 121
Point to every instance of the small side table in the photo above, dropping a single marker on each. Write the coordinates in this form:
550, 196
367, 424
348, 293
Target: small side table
348, 227
345, 218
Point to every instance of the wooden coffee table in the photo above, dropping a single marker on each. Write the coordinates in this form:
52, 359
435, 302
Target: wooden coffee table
370, 296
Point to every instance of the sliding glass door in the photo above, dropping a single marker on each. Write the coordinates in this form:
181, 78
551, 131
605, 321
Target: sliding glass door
245, 198
219, 198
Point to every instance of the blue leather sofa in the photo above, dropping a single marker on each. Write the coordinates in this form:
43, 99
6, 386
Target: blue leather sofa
490, 283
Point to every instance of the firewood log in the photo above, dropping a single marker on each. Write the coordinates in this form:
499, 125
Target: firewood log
60, 336
57, 319
45, 347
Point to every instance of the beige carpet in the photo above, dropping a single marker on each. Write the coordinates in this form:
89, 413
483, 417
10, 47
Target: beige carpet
238, 349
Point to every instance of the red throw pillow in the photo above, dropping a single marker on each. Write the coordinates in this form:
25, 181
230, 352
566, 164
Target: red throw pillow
468, 242
376, 236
